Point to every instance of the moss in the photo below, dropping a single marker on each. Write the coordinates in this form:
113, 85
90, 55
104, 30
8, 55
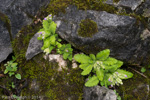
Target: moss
128, 89
87, 28
54, 85
6, 20
57, 6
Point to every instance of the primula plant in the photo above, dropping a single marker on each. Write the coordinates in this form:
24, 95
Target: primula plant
51, 40
102, 68
11, 68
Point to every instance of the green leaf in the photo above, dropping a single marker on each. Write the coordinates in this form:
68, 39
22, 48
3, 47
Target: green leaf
70, 57
59, 45
92, 81
46, 43
110, 61
6, 71
83, 66
114, 67
65, 55
14, 64
11, 73
39, 38
143, 69
52, 40
92, 56
82, 58
52, 27
18, 76
45, 24
103, 55
124, 74
87, 70
100, 73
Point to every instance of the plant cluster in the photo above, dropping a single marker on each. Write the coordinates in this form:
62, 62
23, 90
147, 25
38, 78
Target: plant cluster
51, 39
102, 68
11, 68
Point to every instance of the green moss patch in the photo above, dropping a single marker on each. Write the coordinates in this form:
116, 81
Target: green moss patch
53, 85
87, 28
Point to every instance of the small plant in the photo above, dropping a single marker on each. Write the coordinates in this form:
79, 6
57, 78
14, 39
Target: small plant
11, 68
51, 40
105, 69
143, 69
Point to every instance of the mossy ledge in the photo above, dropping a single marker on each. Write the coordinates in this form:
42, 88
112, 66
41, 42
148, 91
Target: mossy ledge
87, 28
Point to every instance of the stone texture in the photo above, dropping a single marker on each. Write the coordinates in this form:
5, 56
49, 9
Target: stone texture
120, 34
132, 4
19, 13
98, 93
34, 47
5, 46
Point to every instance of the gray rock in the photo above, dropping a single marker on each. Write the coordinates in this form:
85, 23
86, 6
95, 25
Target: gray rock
34, 47
98, 93
5, 46
19, 13
120, 34
132, 4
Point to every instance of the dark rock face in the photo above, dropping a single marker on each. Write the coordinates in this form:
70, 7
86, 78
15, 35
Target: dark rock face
120, 34
98, 93
19, 13
34, 47
5, 46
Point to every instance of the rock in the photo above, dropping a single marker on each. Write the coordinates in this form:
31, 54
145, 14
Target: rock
5, 46
132, 4
34, 47
21, 12
57, 58
98, 93
120, 34
17, 13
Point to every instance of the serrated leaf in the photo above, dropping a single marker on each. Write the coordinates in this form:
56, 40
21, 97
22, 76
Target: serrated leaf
45, 24
115, 66
52, 27
18, 76
92, 56
59, 45
87, 70
100, 73
52, 40
123, 74
46, 43
82, 58
110, 61
65, 55
83, 66
103, 55
93, 81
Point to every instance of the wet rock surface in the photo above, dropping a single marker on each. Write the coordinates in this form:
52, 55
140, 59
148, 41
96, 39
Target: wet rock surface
98, 93
120, 34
